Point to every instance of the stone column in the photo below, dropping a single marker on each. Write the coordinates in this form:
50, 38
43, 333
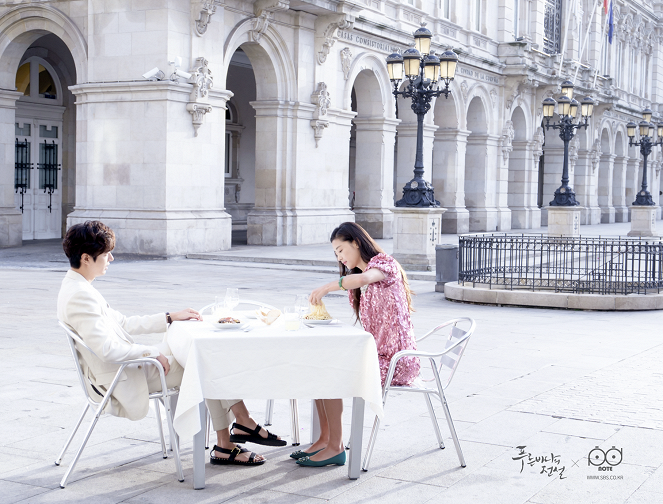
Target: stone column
619, 189
480, 187
374, 170
585, 180
523, 181
449, 178
605, 188
633, 180
417, 232
143, 171
407, 152
11, 220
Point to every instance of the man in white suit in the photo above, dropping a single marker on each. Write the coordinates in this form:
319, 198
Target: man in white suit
108, 333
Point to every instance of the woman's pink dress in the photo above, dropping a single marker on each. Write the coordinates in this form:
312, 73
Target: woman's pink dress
385, 314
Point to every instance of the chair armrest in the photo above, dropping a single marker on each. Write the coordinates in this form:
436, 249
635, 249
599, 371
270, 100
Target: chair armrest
442, 326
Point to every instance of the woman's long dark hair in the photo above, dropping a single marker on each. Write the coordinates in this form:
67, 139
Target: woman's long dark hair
368, 249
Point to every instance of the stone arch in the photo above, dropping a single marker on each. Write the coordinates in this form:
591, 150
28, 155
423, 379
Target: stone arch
605, 176
270, 57
478, 91
21, 26
370, 62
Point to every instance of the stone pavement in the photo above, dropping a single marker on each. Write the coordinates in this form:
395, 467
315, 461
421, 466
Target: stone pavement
535, 393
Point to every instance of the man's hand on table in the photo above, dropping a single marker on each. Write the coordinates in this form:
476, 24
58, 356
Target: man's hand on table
188, 314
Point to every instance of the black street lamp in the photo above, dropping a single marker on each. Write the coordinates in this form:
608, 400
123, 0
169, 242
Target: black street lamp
646, 143
425, 72
567, 109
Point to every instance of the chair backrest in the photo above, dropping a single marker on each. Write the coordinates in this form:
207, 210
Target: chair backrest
461, 329
75, 341
210, 306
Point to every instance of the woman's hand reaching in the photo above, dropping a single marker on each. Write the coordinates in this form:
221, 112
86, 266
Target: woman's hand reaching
188, 314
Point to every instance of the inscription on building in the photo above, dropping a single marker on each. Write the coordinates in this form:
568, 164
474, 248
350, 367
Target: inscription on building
477, 75
366, 41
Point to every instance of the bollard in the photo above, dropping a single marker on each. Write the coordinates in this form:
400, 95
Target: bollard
446, 265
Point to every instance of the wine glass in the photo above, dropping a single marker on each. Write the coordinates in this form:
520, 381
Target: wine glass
232, 297
301, 304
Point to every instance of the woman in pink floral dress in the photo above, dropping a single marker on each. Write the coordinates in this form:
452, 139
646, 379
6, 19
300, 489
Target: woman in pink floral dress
381, 298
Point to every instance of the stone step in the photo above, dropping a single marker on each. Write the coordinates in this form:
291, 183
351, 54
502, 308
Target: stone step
310, 265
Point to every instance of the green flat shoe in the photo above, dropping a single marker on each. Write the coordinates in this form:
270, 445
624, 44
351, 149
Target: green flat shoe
301, 454
337, 460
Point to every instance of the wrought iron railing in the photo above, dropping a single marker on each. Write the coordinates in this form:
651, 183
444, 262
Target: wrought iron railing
560, 264
48, 169
22, 167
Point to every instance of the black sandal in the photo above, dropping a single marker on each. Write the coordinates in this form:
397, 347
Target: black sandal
255, 437
231, 459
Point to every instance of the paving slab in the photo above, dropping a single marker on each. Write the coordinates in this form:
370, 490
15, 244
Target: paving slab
546, 379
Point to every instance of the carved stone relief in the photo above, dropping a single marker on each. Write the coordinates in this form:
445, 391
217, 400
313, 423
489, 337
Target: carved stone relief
326, 33
346, 60
264, 11
206, 12
320, 98
506, 140
202, 81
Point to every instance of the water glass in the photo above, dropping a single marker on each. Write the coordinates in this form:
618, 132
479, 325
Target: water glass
291, 318
232, 298
301, 304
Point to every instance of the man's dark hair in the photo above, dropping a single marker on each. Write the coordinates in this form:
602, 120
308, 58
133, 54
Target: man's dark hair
92, 237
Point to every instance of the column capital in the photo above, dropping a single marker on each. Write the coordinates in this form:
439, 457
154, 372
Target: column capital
8, 98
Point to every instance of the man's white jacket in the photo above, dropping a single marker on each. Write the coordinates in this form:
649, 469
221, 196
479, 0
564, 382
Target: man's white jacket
108, 334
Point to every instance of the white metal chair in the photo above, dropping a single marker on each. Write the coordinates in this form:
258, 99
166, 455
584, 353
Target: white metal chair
269, 411
164, 396
449, 359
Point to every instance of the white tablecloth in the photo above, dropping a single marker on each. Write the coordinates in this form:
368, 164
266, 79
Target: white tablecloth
268, 362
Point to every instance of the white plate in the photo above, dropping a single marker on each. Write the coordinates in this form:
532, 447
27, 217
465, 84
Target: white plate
312, 323
229, 327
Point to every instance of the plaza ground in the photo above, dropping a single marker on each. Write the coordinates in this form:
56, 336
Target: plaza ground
554, 382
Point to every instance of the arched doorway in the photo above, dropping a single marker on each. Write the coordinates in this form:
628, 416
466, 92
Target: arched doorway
240, 145
477, 191
28, 31
371, 161
45, 139
522, 185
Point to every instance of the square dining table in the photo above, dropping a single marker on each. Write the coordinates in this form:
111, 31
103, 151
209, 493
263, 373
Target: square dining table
267, 362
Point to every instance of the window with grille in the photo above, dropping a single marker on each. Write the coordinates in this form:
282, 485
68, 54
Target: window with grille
552, 26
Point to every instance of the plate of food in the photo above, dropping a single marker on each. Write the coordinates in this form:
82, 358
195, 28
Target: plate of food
228, 323
318, 316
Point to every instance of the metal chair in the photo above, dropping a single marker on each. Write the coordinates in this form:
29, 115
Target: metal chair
449, 359
269, 411
164, 396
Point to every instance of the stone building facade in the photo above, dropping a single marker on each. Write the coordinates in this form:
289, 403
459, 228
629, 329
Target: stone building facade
276, 117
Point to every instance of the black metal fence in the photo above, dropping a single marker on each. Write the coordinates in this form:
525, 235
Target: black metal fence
560, 264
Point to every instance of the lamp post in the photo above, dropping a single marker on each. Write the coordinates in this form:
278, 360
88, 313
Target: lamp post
426, 73
646, 144
567, 109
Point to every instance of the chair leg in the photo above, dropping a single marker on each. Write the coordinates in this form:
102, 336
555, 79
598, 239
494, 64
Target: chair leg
157, 411
452, 429
171, 431
269, 412
436, 426
207, 429
371, 444
71, 436
63, 482
294, 421
173, 406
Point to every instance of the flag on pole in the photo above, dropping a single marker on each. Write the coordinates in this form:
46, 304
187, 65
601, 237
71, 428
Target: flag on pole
611, 24
605, 6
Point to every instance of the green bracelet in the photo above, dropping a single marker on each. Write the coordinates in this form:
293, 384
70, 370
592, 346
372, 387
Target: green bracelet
340, 283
